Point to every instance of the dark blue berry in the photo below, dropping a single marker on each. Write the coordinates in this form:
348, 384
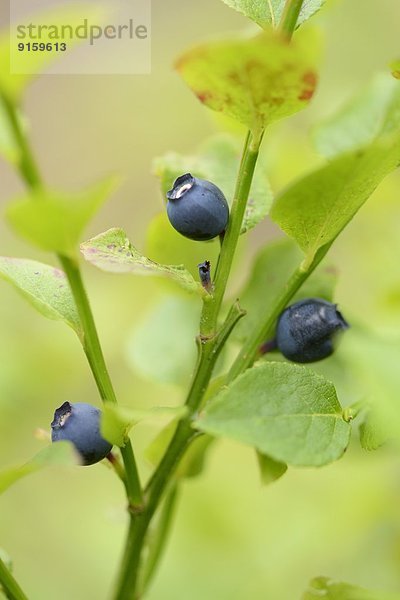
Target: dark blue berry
306, 330
197, 208
79, 423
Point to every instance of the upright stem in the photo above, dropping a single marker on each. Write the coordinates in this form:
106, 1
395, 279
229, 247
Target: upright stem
210, 344
289, 17
231, 237
209, 349
26, 161
94, 353
160, 537
11, 588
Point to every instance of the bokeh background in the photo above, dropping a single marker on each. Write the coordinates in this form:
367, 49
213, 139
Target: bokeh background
233, 539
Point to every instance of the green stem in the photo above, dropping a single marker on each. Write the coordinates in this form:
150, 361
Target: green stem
93, 351
209, 350
159, 540
289, 17
26, 161
231, 237
210, 344
89, 337
9, 585
266, 324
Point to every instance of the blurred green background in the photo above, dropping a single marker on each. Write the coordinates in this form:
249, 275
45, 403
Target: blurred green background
233, 539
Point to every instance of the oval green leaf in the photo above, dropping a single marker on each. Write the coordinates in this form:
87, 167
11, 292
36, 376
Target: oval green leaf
58, 454
314, 210
45, 287
112, 251
54, 221
117, 421
255, 81
283, 410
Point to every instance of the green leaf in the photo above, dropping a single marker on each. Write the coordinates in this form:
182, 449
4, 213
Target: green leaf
218, 161
373, 433
45, 287
162, 347
273, 266
269, 12
374, 112
111, 251
323, 587
30, 64
372, 360
117, 421
255, 81
193, 462
270, 469
54, 221
285, 411
58, 454
165, 244
317, 208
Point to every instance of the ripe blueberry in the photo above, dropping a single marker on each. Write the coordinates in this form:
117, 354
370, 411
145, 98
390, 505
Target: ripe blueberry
79, 423
306, 329
197, 208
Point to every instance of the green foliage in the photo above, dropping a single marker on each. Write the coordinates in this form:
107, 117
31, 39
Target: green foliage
270, 469
314, 210
272, 268
162, 347
45, 287
323, 587
285, 411
281, 77
373, 433
58, 454
54, 221
218, 161
164, 244
117, 421
372, 360
193, 462
374, 112
269, 12
111, 251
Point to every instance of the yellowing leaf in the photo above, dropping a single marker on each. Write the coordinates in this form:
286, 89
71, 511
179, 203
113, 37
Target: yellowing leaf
256, 81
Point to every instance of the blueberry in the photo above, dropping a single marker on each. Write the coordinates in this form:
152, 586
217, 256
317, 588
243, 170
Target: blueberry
79, 423
197, 208
306, 330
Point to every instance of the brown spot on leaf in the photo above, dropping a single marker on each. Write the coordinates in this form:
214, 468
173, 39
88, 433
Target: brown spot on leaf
306, 94
310, 79
204, 96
